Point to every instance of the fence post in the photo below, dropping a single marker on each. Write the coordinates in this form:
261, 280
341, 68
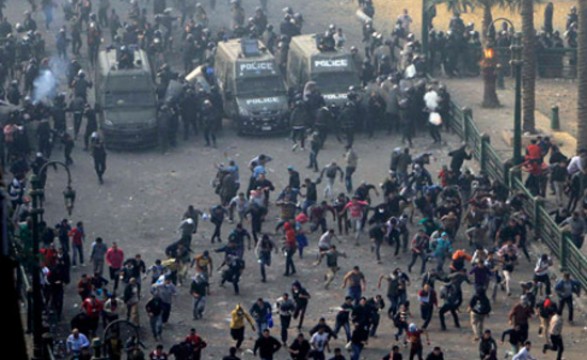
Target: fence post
564, 250
467, 112
506, 173
514, 173
538, 204
485, 143
554, 118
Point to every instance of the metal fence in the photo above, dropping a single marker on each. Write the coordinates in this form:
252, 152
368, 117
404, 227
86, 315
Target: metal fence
570, 257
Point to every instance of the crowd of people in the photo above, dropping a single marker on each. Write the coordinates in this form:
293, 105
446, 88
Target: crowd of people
471, 230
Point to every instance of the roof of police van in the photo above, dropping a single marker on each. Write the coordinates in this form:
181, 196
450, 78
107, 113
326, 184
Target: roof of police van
307, 44
233, 49
109, 65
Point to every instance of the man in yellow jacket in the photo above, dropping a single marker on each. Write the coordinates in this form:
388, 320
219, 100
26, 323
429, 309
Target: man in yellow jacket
237, 324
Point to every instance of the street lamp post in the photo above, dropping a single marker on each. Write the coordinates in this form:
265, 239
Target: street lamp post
37, 211
516, 62
489, 66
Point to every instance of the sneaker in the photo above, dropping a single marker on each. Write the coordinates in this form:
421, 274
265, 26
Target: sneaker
294, 147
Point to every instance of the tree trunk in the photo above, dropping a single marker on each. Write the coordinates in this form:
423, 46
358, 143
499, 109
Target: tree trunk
582, 77
529, 67
487, 19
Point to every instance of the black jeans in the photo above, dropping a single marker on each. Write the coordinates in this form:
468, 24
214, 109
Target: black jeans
426, 310
569, 302
77, 122
238, 335
343, 222
557, 345
209, 135
290, 268
545, 280
435, 133
100, 167
285, 321
448, 308
216, 234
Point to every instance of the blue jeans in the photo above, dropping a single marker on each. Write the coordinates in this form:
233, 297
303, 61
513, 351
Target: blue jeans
79, 249
355, 292
347, 329
261, 325
306, 204
356, 348
156, 325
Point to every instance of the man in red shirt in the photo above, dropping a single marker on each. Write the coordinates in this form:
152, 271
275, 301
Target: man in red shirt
93, 308
114, 259
197, 344
290, 248
77, 236
533, 151
356, 208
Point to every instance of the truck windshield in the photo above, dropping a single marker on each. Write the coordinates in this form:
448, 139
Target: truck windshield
128, 99
259, 86
335, 82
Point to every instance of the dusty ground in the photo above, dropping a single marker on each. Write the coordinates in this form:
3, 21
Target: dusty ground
145, 194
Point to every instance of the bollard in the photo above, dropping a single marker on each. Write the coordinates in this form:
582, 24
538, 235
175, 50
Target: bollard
554, 118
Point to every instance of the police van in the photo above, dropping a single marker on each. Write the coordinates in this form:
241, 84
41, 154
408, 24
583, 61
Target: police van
125, 100
333, 71
252, 88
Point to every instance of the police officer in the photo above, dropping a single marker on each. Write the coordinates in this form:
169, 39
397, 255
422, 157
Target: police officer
81, 85
99, 156
91, 125
367, 72
76, 106
348, 115
189, 113
58, 113
299, 119
324, 122
209, 122
269, 38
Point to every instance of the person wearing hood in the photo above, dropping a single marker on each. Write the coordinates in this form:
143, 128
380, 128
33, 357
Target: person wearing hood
237, 324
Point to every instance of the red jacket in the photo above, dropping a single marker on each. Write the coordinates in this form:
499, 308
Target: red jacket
92, 307
533, 152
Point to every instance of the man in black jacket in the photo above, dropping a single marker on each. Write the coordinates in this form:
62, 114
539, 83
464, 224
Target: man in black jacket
458, 158
267, 346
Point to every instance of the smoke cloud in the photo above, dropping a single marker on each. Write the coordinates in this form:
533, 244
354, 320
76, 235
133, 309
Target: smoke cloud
45, 86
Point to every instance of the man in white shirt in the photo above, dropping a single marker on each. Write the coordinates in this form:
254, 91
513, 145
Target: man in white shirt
524, 353
319, 342
576, 163
324, 244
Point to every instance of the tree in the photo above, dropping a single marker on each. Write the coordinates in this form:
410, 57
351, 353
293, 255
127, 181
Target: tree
582, 77
529, 65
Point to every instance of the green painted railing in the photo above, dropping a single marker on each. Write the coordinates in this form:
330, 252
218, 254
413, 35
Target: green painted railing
571, 259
